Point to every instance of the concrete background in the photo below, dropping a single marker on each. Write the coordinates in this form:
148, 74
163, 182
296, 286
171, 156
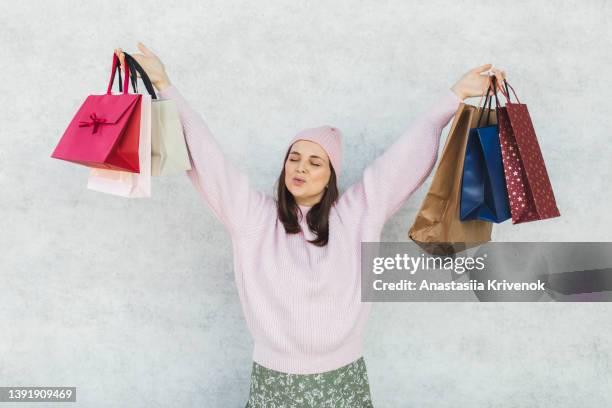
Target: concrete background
133, 301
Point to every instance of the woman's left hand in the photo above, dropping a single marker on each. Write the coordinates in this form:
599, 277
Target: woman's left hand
474, 83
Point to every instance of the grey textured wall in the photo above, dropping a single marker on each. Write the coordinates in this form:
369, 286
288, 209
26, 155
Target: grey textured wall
133, 301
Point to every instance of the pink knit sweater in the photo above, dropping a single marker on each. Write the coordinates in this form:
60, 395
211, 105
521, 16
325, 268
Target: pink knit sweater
302, 303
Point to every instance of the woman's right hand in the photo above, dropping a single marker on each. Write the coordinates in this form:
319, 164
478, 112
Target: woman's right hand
151, 64
476, 83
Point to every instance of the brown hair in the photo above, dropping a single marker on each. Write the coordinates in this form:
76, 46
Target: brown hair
318, 216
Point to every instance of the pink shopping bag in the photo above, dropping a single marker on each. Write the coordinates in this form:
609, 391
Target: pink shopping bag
104, 131
127, 184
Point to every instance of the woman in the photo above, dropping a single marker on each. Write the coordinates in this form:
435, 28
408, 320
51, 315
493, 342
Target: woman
297, 257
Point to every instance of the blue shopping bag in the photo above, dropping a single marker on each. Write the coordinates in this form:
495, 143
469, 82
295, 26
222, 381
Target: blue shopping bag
484, 195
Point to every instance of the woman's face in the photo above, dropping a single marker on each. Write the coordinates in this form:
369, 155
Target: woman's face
307, 161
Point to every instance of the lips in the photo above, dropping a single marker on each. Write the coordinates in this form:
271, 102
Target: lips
298, 181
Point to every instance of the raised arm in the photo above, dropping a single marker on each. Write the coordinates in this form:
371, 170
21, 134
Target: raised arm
390, 179
394, 175
224, 187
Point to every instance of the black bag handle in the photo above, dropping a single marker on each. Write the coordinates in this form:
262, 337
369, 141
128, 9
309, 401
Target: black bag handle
497, 104
489, 99
134, 67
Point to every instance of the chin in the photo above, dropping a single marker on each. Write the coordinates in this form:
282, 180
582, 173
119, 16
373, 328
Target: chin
297, 194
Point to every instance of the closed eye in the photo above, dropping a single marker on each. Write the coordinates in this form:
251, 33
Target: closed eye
314, 164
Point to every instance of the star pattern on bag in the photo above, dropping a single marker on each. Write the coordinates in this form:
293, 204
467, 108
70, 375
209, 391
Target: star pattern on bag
529, 189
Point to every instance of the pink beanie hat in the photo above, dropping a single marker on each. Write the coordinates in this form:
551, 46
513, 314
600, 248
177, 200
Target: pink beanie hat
329, 138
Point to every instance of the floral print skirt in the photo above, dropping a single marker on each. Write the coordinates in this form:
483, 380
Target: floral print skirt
344, 387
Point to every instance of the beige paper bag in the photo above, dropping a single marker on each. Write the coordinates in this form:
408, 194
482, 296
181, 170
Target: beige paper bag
168, 148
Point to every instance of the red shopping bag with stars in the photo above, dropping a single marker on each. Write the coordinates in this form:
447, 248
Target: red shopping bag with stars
529, 190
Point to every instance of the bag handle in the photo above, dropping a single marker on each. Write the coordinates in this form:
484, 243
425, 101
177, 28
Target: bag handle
507, 93
132, 76
482, 96
497, 104
488, 99
112, 78
135, 66
119, 85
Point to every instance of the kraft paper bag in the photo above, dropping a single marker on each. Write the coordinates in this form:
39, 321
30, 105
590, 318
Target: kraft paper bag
437, 227
127, 184
168, 148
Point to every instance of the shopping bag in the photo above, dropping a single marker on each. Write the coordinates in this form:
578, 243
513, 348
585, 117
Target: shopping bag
530, 192
169, 153
169, 149
483, 186
127, 184
105, 131
437, 227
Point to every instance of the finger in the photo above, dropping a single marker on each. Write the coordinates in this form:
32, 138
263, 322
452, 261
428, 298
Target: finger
493, 78
139, 58
498, 76
145, 50
486, 89
482, 68
501, 74
500, 81
119, 53
493, 73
